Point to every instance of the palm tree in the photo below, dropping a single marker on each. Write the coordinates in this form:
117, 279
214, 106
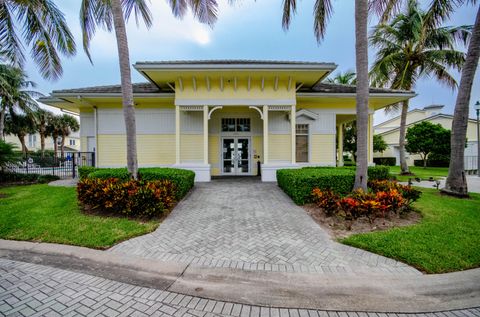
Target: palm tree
322, 11
68, 124
456, 183
347, 78
14, 93
54, 129
20, 125
409, 49
111, 15
362, 91
42, 118
43, 28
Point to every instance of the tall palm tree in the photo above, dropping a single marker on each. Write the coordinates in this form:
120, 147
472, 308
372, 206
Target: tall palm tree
68, 124
42, 118
43, 28
322, 11
112, 15
20, 125
409, 49
347, 78
456, 183
54, 129
362, 91
15, 93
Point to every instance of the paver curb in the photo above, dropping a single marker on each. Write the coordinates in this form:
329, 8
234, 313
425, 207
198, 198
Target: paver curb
335, 292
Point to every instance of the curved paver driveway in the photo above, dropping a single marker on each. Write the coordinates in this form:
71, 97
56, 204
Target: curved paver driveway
254, 226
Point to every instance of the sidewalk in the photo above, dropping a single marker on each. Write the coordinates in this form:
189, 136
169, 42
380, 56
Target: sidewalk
382, 293
473, 182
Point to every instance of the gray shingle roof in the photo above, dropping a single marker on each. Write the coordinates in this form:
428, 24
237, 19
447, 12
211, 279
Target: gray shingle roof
146, 88
348, 89
138, 88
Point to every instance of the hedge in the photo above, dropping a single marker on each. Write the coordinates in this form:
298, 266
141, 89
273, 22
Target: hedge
387, 161
8, 177
183, 180
299, 183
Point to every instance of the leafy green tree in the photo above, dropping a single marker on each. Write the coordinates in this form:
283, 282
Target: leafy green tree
15, 93
425, 138
54, 129
379, 144
20, 125
42, 27
411, 47
68, 124
347, 78
7, 154
350, 140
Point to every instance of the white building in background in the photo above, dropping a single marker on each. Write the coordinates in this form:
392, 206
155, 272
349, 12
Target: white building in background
390, 131
32, 141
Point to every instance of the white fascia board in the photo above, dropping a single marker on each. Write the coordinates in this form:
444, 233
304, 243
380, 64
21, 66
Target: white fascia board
186, 67
343, 95
111, 95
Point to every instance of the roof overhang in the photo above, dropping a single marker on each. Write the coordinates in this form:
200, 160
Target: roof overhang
163, 74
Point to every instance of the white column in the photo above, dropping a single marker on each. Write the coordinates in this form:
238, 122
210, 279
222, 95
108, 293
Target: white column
265, 134
293, 126
340, 144
370, 139
205, 134
177, 134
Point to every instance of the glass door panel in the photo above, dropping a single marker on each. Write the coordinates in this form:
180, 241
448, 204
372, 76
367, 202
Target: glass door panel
243, 166
229, 158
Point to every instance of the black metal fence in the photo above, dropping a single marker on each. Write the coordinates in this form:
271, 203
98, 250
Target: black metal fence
63, 165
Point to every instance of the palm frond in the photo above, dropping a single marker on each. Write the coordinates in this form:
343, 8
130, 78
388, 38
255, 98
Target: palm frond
140, 10
204, 10
9, 42
384, 8
322, 12
179, 7
289, 9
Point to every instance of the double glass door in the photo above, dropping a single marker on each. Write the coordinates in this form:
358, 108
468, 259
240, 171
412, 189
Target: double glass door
236, 156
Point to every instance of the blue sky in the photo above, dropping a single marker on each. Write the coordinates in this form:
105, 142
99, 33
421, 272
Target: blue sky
247, 30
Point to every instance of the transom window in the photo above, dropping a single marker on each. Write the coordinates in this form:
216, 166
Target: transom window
302, 143
235, 124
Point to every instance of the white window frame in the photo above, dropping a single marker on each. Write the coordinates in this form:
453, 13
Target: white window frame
309, 134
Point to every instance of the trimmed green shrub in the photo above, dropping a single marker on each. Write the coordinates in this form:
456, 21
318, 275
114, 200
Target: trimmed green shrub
299, 183
43, 179
105, 173
183, 179
386, 161
83, 171
378, 172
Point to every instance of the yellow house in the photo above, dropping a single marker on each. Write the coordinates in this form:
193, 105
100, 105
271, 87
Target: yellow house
224, 117
389, 130
32, 141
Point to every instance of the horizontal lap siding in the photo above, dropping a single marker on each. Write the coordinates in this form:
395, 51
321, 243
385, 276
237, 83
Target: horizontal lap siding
213, 154
279, 147
322, 149
112, 150
156, 149
191, 148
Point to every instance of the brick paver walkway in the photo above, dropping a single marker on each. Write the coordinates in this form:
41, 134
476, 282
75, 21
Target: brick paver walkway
251, 225
36, 290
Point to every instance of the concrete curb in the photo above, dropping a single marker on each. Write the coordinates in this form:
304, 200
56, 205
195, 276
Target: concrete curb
368, 293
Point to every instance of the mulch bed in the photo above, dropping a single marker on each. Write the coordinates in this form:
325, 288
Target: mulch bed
340, 228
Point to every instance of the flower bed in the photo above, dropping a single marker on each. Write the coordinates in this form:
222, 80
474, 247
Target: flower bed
129, 198
299, 183
382, 200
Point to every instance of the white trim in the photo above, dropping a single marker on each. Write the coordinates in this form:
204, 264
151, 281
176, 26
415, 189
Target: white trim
259, 111
234, 102
191, 108
307, 113
341, 95
95, 123
306, 67
293, 131
194, 83
275, 84
110, 95
207, 81
180, 83
212, 110
177, 135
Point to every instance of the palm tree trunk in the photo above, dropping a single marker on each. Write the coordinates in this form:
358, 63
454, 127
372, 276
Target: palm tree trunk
361, 54
127, 89
62, 147
2, 122
42, 141
401, 141
21, 138
456, 183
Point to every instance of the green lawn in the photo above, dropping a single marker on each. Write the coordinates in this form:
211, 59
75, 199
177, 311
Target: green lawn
423, 173
51, 214
447, 239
